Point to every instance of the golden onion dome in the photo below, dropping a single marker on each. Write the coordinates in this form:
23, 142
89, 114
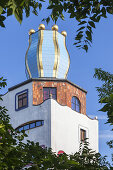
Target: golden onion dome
64, 33
55, 27
31, 31
41, 27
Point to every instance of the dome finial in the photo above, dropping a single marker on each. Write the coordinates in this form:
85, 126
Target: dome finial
41, 27
31, 31
64, 33
55, 27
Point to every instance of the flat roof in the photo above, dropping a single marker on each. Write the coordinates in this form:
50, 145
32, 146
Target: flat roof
45, 79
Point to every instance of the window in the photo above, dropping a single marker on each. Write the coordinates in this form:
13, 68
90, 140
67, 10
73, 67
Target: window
21, 100
30, 125
75, 104
82, 135
49, 91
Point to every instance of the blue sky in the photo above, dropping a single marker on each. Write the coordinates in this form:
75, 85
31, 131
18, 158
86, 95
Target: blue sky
14, 44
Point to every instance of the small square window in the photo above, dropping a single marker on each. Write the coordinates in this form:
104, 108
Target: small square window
21, 100
49, 91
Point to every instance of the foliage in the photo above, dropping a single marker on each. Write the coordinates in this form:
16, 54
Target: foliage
9, 153
16, 155
17, 7
86, 12
105, 92
106, 96
84, 159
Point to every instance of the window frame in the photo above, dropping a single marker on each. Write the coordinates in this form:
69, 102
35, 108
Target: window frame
75, 104
29, 123
17, 100
49, 88
84, 133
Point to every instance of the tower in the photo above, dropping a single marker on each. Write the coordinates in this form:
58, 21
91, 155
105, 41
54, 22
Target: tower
51, 109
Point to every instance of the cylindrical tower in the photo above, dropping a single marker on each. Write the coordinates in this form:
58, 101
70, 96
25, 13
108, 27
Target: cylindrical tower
47, 55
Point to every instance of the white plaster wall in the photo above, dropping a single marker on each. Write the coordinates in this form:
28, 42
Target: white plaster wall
61, 129
40, 112
65, 129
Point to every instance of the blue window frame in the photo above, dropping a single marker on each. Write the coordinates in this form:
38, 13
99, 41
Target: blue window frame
75, 104
21, 100
30, 125
49, 91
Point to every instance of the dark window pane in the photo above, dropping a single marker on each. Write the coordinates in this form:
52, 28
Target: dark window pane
46, 93
82, 135
20, 97
77, 101
77, 108
20, 103
24, 95
38, 123
73, 99
20, 129
75, 104
42, 122
54, 96
32, 125
85, 134
50, 91
24, 101
26, 127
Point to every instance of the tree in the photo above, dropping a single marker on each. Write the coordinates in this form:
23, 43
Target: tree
105, 93
86, 12
106, 96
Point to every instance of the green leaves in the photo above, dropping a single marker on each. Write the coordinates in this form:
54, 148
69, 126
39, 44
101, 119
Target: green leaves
105, 92
1, 10
2, 18
17, 7
84, 35
83, 22
92, 24
85, 12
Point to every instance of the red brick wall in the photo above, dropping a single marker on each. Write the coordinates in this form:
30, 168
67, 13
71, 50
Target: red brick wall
65, 91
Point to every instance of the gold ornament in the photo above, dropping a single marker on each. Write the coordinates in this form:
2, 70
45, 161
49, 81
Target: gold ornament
32, 31
41, 27
64, 33
55, 27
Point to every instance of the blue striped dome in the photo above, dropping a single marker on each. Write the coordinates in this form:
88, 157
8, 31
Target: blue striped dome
47, 55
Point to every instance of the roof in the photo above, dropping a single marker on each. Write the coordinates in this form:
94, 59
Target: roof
45, 79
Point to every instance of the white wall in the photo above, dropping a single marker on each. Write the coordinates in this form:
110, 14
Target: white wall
65, 129
61, 129
40, 112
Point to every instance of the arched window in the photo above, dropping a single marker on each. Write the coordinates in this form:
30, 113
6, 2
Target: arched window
75, 104
30, 125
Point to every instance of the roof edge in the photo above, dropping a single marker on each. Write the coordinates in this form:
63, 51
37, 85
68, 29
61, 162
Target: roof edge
45, 79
